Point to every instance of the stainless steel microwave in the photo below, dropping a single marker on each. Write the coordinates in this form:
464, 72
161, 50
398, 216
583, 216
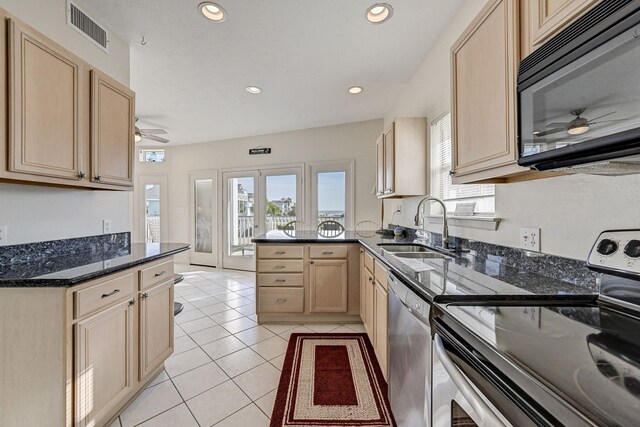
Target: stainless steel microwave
579, 95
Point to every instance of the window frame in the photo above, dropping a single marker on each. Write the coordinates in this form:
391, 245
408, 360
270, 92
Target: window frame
346, 166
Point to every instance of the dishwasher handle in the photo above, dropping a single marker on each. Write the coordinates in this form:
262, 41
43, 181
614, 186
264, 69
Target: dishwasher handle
478, 404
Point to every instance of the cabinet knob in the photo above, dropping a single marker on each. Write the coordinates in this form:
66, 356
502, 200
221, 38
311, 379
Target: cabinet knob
370, 279
144, 296
310, 262
452, 173
97, 178
81, 175
132, 301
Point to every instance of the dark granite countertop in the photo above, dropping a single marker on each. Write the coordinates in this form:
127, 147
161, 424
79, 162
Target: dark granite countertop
72, 269
461, 277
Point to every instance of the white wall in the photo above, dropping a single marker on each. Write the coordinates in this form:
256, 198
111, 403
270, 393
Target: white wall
570, 210
354, 141
34, 213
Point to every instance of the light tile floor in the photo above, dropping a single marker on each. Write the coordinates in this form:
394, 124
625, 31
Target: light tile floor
225, 368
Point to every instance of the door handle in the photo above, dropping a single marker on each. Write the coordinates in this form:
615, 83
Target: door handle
487, 416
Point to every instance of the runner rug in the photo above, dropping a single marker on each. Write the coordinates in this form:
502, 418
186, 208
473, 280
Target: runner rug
331, 380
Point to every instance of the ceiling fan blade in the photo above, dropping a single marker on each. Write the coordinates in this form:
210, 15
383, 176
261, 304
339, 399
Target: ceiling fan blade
609, 121
155, 138
599, 117
550, 131
558, 125
155, 131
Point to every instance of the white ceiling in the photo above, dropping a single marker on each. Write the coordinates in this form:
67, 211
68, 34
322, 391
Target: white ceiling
190, 77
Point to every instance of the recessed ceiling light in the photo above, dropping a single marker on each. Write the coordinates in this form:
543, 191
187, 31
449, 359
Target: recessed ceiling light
253, 90
212, 11
379, 13
354, 90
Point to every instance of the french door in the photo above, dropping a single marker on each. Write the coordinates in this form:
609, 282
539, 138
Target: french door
256, 202
203, 218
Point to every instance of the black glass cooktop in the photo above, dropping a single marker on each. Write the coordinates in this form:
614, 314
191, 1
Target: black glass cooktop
587, 357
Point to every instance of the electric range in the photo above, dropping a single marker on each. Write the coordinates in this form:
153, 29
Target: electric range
577, 364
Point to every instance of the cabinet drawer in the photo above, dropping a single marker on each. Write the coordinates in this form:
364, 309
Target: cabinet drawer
324, 251
277, 252
280, 266
280, 279
381, 273
156, 274
368, 261
280, 300
103, 295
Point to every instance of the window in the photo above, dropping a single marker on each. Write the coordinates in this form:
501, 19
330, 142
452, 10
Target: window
483, 195
151, 156
332, 193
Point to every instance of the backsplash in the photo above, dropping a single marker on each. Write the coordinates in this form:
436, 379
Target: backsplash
566, 269
30, 252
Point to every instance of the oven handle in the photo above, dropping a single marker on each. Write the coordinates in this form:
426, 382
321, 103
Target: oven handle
487, 416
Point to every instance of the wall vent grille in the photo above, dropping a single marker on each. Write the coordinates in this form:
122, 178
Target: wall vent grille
86, 26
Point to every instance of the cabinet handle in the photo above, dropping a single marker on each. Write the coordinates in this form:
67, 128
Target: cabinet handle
327, 253
280, 252
281, 280
115, 291
144, 296
279, 267
97, 178
81, 175
132, 301
281, 300
452, 173
161, 273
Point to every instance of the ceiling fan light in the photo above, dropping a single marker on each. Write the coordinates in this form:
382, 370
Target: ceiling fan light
578, 130
379, 13
212, 11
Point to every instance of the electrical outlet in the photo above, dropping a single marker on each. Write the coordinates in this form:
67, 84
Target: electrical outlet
399, 208
530, 239
106, 226
3, 235
532, 314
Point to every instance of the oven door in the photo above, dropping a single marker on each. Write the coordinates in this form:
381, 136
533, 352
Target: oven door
457, 399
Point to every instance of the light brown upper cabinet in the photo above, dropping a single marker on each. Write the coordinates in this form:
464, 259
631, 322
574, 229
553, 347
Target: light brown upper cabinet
112, 131
63, 122
484, 64
45, 109
402, 159
542, 19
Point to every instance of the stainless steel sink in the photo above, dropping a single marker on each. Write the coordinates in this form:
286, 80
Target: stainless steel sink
419, 255
404, 248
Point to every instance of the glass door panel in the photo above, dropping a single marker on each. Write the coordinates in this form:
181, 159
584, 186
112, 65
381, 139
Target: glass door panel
240, 225
152, 213
203, 216
281, 202
331, 197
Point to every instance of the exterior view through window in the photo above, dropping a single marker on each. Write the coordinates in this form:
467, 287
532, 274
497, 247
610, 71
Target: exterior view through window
331, 196
281, 203
241, 195
152, 213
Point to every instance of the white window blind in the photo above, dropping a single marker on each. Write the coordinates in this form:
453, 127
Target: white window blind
441, 184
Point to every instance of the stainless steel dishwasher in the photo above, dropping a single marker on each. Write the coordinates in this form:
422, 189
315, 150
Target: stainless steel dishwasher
409, 356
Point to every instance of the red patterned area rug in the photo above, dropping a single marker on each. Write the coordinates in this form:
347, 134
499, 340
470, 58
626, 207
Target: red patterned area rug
331, 380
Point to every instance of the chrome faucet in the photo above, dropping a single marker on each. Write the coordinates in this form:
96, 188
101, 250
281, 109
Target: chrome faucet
445, 226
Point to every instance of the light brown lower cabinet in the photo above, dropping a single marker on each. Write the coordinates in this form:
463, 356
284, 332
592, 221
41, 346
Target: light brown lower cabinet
328, 286
78, 355
104, 362
381, 328
156, 327
369, 307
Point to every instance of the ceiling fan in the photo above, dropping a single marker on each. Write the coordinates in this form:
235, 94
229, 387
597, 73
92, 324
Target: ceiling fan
150, 134
577, 126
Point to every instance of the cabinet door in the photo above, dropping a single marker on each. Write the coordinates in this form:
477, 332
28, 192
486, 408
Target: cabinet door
156, 327
328, 286
44, 106
484, 64
381, 328
363, 280
104, 362
369, 308
548, 17
112, 131
389, 161
380, 166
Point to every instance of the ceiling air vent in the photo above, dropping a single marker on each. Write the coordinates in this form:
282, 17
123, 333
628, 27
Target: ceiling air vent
86, 26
